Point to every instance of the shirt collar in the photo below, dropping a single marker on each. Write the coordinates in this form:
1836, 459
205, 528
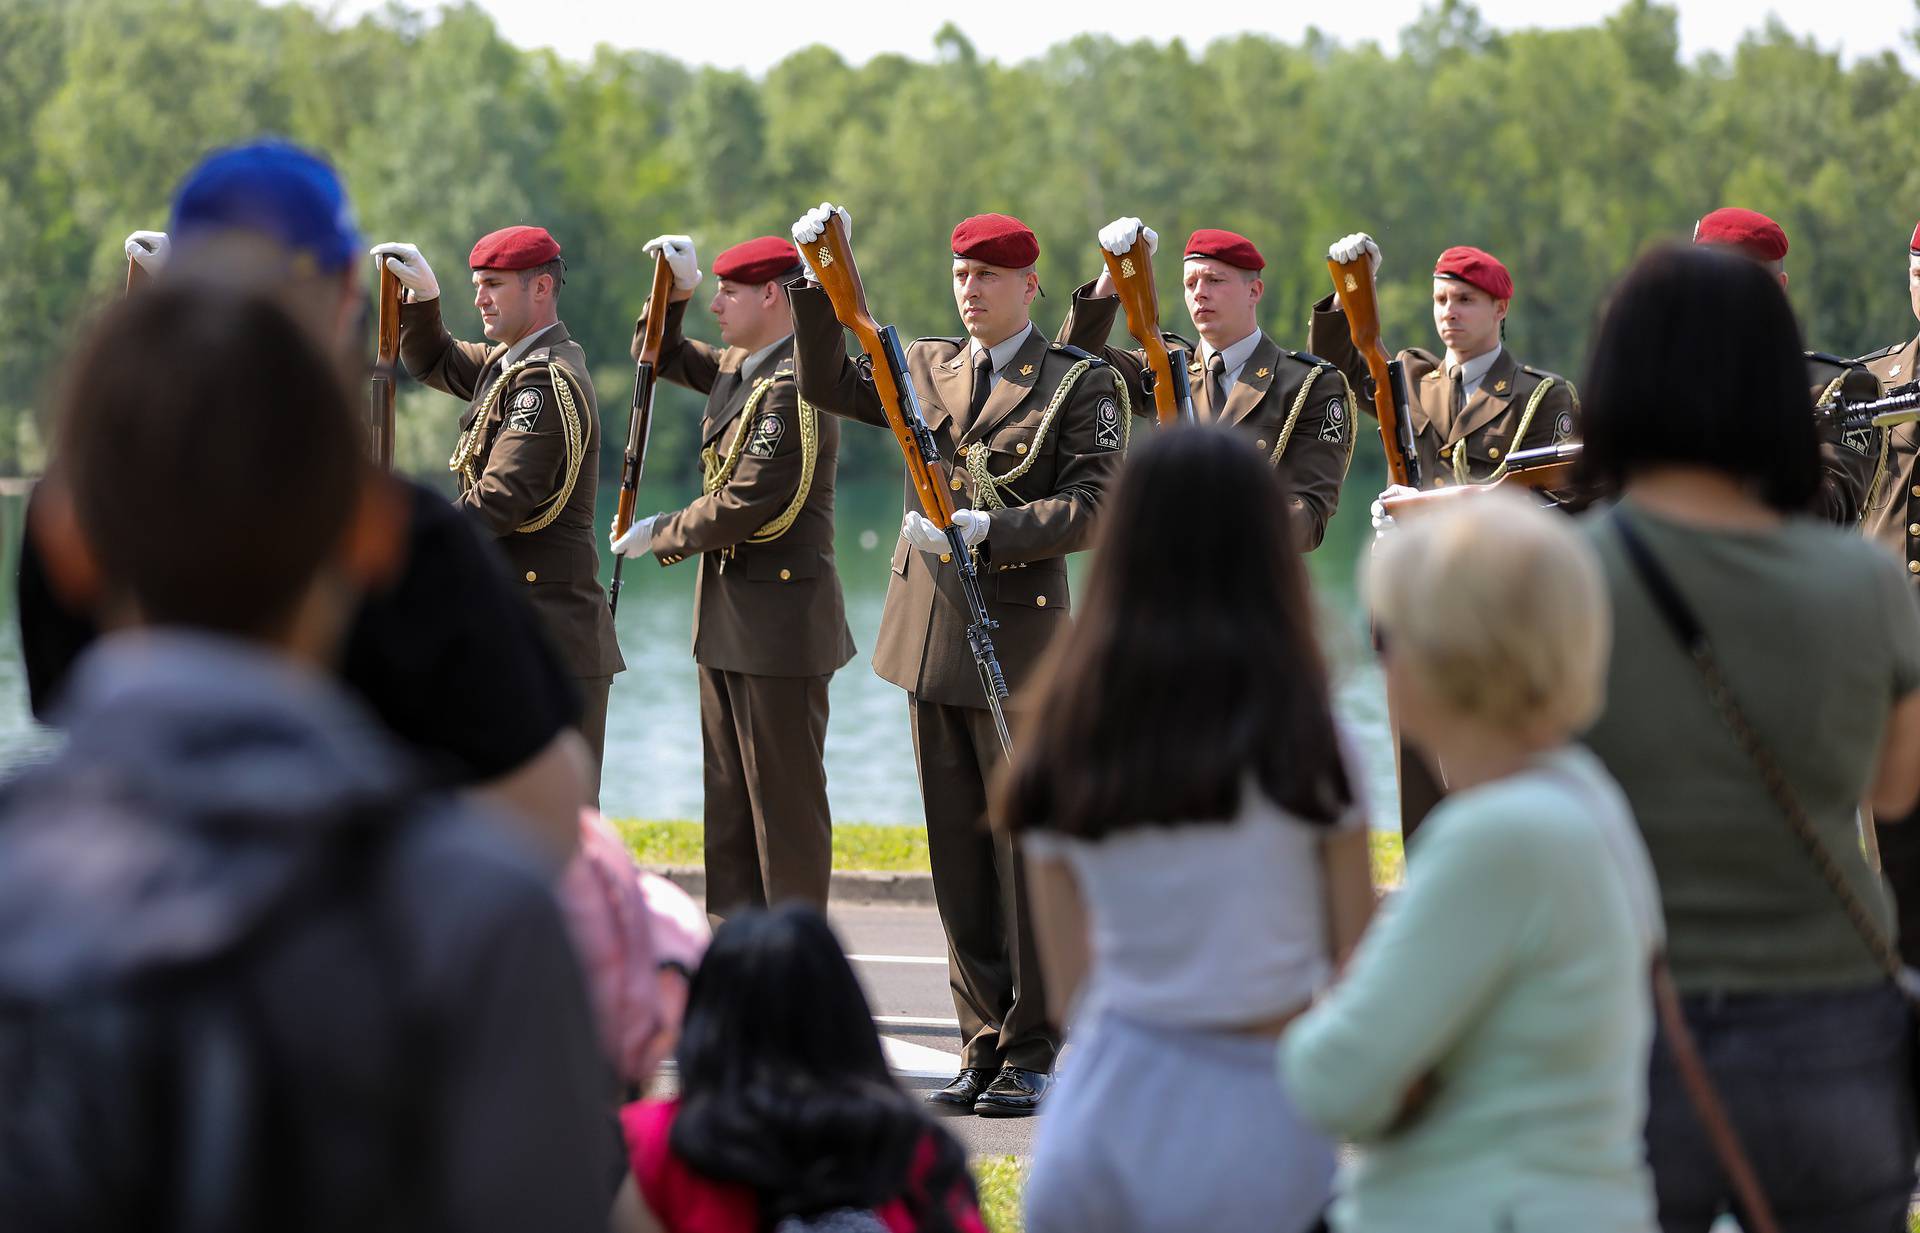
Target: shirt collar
750, 368
1001, 353
519, 349
1233, 357
1475, 370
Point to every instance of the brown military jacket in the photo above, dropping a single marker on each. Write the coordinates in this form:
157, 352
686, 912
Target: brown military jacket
767, 601
1848, 460
1493, 424
521, 462
1893, 507
1312, 458
1049, 472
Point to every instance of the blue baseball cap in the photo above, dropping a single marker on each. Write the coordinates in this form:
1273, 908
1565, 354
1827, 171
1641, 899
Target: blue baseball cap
276, 189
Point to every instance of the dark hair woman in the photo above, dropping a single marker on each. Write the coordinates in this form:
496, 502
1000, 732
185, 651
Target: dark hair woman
1815, 634
1196, 853
787, 1117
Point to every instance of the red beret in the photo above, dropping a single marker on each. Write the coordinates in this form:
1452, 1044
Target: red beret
1236, 250
1476, 268
997, 239
1914, 246
757, 261
1751, 232
514, 248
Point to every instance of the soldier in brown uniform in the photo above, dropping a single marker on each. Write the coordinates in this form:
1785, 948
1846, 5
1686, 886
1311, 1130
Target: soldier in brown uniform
1848, 460
769, 624
1470, 409
1893, 518
529, 447
1474, 404
1034, 433
1296, 407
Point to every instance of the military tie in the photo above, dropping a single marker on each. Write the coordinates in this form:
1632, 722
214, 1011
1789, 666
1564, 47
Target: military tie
1456, 400
1216, 386
982, 384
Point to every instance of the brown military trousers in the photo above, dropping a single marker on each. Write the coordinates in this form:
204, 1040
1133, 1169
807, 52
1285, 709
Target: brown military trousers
980, 886
769, 833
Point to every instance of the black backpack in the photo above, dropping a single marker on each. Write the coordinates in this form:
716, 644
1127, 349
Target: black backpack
212, 1098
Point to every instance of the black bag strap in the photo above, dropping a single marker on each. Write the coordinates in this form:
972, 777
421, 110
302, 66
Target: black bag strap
1757, 1212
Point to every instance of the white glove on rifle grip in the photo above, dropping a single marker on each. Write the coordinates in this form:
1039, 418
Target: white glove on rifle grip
681, 259
637, 542
918, 530
1118, 236
149, 250
812, 225
411, 269
1393, 492
1346, 248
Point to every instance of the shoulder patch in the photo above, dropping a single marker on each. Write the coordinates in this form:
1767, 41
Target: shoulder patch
767, 431
1563, 428
523, 408
1077, 353
1336, 425
1106, 423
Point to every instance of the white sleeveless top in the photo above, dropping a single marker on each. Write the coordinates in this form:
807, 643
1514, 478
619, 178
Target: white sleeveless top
1203, 925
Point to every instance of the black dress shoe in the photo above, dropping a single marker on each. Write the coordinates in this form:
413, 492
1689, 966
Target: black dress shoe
956, 1099
1013, 1093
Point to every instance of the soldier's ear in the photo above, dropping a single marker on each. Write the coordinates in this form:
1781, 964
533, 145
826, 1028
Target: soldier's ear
374, 548
73, 568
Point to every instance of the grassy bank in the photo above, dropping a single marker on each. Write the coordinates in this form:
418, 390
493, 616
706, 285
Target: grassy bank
883, 849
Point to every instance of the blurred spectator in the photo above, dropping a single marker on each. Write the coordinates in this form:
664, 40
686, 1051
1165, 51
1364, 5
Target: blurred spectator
1815, 634
447, 652
253, 974
1486, 1049
1197, 856
787, 1117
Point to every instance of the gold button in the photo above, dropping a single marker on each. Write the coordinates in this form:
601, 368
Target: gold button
956, 483
1493, 451
1042, 601
532, 577
1913, 528
786, 575
1916, 490
1020, 448
1260, 445
946, 558
1913, 567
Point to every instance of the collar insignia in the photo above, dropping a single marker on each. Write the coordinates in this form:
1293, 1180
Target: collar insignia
1263, 372
1026, 370
1500, 386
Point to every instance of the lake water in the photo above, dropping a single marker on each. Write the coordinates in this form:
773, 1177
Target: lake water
653, 766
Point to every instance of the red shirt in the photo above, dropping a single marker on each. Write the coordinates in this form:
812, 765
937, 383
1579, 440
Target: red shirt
685, 1202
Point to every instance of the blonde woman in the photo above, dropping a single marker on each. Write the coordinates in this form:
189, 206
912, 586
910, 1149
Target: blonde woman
1487, 1046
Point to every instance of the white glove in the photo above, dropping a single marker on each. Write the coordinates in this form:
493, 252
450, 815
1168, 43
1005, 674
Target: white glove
1346, 248
638, 540
681, 259
411, 269
1393, 492
918, 530
1118, 236
149, 250
813, 224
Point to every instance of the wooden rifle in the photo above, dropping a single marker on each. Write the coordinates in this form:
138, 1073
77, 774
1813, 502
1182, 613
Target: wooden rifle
831, 259
386, 364
1132, 276
1547, 468
1353, 283
646, 372
136, 276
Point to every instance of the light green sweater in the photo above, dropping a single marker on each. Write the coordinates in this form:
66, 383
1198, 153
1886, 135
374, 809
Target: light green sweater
1514, 967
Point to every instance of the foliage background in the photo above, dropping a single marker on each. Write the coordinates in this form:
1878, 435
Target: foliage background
1565, 152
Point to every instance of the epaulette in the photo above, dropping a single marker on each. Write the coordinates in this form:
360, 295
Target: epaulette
1542, 373
1077, 353
1838, 361
961, 341
1421, 353
1881, 354
1309, 358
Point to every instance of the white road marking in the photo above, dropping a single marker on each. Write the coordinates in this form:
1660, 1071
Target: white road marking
913, 1061
940, 960
914, 1021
